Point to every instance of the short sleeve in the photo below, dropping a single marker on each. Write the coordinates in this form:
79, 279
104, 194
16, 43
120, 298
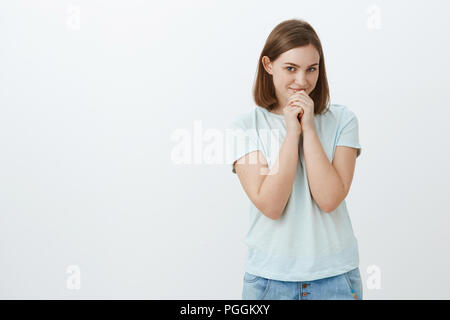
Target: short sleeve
243, 140
349, 133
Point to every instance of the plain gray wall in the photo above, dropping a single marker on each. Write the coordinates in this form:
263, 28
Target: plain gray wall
91, 93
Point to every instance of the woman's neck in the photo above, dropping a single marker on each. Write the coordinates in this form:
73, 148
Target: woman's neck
277, 110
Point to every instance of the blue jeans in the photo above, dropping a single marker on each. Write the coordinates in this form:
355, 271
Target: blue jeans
346, 286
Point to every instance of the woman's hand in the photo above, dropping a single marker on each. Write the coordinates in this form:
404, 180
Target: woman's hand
303, 101
291, 115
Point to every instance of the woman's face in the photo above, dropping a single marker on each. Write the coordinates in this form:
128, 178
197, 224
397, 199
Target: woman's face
297, 68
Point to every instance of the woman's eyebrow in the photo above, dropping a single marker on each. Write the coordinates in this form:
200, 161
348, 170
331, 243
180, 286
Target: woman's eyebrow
299, 66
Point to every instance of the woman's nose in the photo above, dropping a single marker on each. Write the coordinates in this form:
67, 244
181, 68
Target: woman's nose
301, 80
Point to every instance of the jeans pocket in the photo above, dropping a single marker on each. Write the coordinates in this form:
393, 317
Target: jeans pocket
248, 277
353, 278
255, 287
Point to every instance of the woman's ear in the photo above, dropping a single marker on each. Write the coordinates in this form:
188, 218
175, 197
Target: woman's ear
267, 64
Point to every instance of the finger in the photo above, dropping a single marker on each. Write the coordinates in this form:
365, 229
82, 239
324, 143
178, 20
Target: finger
301, 93
290, 109
301, 97
298, 109
297, 100
289, 101
294, 96
305, 98
297, 103
295, 109
298, 96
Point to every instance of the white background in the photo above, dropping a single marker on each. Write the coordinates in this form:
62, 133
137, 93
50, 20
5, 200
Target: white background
91, 92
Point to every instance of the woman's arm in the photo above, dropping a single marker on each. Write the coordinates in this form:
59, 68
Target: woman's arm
277, 185
325, 184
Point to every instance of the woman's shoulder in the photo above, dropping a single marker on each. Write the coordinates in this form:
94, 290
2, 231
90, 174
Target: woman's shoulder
338, 112
337, 108
341, 108
245, 119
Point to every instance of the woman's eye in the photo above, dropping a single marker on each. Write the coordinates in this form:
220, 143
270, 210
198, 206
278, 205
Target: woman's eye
312, 69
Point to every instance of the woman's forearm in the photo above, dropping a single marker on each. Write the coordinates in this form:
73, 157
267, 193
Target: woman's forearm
277, 186
324, 182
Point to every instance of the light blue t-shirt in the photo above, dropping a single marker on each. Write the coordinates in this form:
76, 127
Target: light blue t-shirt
305, 243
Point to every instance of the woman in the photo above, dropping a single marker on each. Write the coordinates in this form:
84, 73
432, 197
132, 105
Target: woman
295, 161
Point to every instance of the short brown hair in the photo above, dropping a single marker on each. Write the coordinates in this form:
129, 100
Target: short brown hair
287, 35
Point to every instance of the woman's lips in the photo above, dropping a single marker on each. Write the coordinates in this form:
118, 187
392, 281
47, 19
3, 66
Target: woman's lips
297, 89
